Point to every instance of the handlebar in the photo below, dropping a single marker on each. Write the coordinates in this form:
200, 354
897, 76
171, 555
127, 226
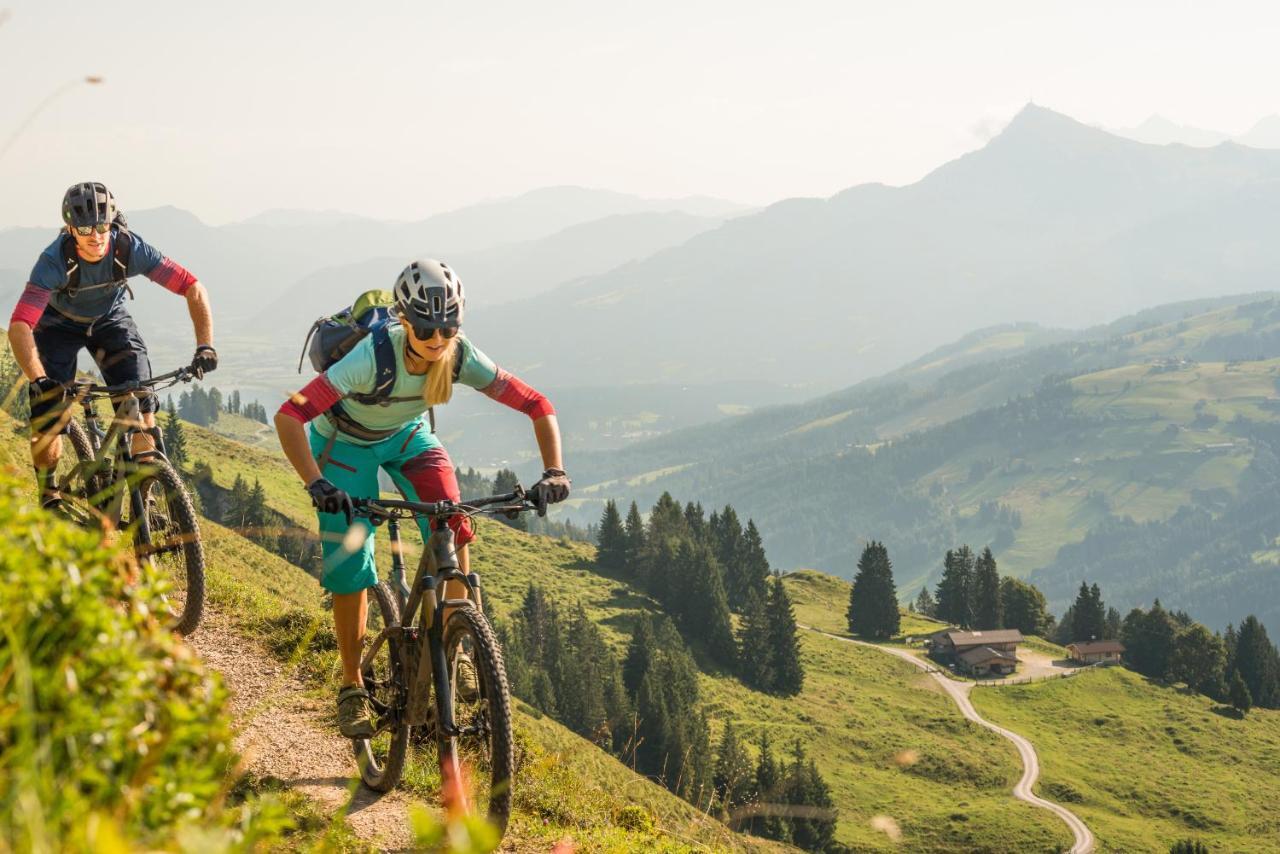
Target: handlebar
378, 510
89, 388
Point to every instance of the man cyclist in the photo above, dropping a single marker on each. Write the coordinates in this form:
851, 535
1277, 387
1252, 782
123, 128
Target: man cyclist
75, 298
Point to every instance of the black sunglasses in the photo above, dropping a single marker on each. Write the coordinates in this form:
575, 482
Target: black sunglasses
427, 334
86, 230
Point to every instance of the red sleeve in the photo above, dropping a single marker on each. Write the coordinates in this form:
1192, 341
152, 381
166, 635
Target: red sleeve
315, 397
173, 276
510, 391
30, 305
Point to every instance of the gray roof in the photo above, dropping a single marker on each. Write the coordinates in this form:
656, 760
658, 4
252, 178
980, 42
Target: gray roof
1094, 647
986, 653
959, 638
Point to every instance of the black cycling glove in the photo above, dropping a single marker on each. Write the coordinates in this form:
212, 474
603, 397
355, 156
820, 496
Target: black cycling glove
551, 489
45, 398
329, 499
204, 361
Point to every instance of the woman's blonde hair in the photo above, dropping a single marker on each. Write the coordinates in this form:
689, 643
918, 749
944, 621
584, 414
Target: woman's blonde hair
439, 385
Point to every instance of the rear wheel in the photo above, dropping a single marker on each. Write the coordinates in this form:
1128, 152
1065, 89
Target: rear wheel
167, 535
477, 766
381, 758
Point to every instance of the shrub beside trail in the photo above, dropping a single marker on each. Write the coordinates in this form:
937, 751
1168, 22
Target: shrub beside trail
113, 736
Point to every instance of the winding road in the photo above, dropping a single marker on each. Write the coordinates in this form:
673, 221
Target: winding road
959, 692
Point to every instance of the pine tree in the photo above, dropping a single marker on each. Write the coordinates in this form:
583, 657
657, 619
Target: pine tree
755, 665
988, 611
1238, 693
215, 405
1188, 846
612, 551
754, 569
1111, 627
925, 605
1089, 617
954, 590
873, 598
666, 521
734, 775
727, 539
255, 508
695, 520
702, 606
1258, 663
175, 439
788, 672
640, 652
237, 504
769, 795
812, 825
635, 541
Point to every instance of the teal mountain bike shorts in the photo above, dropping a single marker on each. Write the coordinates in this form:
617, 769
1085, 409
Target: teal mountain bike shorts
421, 470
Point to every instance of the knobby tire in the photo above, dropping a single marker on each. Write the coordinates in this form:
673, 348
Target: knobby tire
485, 763
381, 758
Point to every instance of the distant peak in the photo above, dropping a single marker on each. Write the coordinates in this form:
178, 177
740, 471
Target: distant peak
1033, 117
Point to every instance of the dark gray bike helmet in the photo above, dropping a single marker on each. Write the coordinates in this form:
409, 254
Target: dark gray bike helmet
429, 295
88, 203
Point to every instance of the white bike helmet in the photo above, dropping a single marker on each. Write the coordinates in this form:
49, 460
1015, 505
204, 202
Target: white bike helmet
429, 296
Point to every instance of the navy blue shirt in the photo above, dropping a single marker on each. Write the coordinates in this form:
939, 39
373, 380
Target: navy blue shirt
96, 296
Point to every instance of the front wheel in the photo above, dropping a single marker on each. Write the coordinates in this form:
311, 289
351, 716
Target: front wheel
477, 766
381, 758
168, 537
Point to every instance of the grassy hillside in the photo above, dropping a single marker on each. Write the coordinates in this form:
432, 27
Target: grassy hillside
570, 788
1145, 765
1142, 764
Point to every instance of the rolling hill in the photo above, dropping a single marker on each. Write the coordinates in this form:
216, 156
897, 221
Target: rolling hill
1011, 452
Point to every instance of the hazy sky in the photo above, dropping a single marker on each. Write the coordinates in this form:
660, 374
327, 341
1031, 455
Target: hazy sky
401, 109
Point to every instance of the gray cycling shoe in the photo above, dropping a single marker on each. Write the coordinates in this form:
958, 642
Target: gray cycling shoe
355, 713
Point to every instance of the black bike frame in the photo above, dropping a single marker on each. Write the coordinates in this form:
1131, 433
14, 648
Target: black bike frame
438, 565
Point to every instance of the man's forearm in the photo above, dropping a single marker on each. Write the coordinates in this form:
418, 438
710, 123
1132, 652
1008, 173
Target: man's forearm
201, 316
23, 344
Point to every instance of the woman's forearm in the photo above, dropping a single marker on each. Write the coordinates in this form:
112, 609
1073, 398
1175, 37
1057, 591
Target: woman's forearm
547, 431
293, 439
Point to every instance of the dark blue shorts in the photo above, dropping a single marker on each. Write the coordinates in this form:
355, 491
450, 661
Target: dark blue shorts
112, 340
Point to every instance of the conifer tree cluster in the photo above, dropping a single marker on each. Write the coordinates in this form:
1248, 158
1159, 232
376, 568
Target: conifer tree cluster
777, 799
972, 595
203, 407
1240, 667
701, 570
645, 709
873, 599
562, 666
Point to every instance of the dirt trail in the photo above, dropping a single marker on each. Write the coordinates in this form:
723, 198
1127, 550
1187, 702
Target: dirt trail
959, 692
283, 733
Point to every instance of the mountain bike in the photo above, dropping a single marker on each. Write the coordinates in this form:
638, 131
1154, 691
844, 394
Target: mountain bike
108, 485
416, 656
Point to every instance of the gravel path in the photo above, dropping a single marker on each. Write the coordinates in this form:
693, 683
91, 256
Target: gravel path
959, 692
283, 733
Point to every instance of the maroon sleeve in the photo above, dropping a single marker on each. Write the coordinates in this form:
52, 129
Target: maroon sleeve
315, 397
173, 276
30, 305
509, 390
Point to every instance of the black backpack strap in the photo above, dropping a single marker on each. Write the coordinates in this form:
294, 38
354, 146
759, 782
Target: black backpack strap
72, 264
121, 251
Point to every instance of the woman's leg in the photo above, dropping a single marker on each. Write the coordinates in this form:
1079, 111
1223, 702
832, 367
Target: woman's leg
348, 568
423, 471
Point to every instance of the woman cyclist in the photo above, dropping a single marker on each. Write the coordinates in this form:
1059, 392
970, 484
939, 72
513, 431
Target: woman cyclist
347, 446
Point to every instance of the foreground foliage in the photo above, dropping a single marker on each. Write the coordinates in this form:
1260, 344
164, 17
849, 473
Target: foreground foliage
112, 734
